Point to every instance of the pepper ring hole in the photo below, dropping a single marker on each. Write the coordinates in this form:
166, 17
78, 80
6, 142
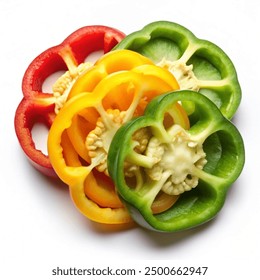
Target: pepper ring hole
50, 81
168, 121
40, 136
94, 56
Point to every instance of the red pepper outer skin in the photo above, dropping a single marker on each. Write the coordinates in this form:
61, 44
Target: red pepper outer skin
37, 106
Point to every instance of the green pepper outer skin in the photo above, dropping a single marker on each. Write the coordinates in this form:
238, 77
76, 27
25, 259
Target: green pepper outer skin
202, 203
227, 97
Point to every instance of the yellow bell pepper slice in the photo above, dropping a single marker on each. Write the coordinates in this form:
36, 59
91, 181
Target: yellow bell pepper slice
80, 160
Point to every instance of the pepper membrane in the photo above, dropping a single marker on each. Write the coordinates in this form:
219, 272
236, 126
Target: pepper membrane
199, 163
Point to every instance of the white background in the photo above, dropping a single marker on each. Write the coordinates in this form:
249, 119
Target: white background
40, 227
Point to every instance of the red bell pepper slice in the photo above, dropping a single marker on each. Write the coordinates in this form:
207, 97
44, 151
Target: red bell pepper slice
37, 106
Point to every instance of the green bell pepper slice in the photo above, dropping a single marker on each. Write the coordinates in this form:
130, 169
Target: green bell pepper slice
198, 164
198, 65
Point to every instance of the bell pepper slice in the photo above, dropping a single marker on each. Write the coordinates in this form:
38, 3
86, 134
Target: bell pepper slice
39, 107
199, 164
112, 62
197, 64
116, 99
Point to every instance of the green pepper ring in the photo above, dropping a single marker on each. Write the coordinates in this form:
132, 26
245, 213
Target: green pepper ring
212, 72
225, 154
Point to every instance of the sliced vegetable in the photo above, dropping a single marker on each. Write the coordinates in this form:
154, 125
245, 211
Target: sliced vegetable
197, 64
198, 164
39, 107
81, 133
112, 62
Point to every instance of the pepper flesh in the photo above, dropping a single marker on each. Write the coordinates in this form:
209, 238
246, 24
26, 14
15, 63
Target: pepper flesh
197, 64
37, 106
95, 116
211, 150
